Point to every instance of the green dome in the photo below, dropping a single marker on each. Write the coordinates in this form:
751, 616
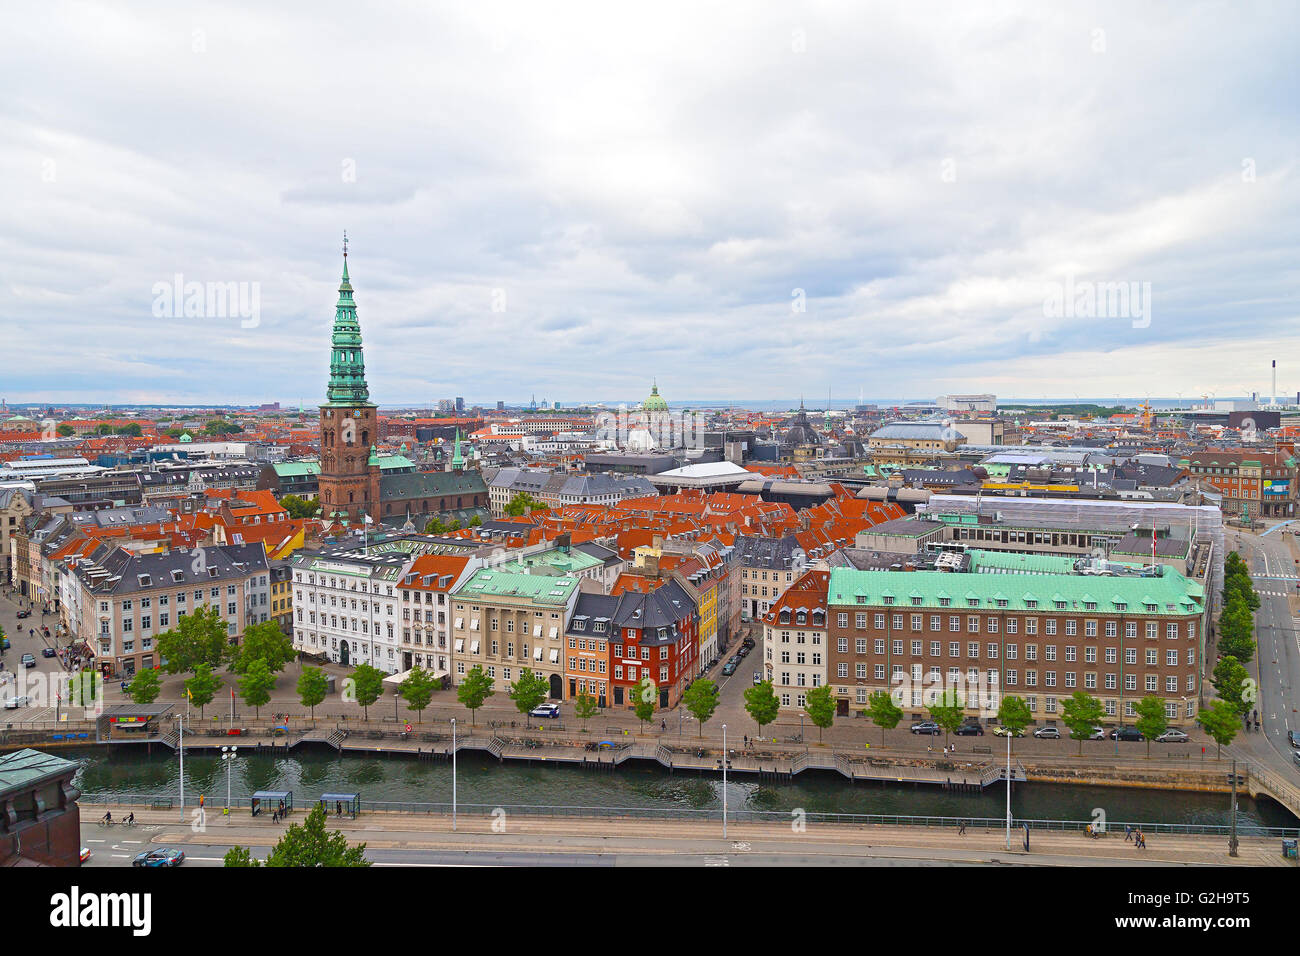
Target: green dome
654, 403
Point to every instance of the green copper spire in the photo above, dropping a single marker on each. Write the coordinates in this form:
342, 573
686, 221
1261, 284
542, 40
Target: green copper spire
457, 462
347, 365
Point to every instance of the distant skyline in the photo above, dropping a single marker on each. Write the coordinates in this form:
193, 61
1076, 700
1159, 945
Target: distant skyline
733, 199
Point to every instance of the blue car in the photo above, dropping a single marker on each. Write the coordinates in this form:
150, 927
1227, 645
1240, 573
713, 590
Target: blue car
164, 856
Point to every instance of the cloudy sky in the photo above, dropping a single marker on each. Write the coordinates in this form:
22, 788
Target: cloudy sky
747, 201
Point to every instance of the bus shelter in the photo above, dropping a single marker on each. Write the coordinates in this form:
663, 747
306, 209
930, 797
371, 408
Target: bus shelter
273, 800
338, 804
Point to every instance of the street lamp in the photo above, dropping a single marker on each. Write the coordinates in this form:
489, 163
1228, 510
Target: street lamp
1009, 735
396, 698
724, 781
453, 774
228, 756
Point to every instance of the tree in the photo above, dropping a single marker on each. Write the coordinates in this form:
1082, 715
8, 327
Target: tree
300, 507
585, 707
476, 521
1014, 715
65, 430
306, 844
264, 642
762, 704
435, 526
367, 685
701, 699
132, 430
948, 711
200, 637
219, 427
474, 690
821, 708
1151, 719
240, 856
145, 686
645, 698
255, 686
528, 692
417, 690
522, 503
1081, 712
884, 713
1237, 629
312, 687
1233, 684
1221, 721
202, 687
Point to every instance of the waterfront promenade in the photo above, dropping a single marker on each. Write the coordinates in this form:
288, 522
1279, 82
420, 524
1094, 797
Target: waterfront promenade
410, 839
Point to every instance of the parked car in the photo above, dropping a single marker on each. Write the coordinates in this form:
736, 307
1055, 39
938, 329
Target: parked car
747, 643
1126, 733
1098, 733
1048, 733
729, 668
1293, 736
163, 856
969, 730
927, 727
742, 653
47, 652
545, 710
13, 703
1172, 737
1003, 732
29, 661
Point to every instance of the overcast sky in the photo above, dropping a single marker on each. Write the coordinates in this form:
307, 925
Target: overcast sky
566, 200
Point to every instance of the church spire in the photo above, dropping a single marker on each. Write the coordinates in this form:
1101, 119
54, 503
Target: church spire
347, 363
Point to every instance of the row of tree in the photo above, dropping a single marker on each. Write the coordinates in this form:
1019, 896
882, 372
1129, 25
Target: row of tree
1237, 619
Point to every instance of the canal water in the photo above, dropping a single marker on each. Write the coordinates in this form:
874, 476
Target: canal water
129, 772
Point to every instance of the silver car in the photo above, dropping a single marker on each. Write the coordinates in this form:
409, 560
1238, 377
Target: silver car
1172, 737
13, 703
1051, 733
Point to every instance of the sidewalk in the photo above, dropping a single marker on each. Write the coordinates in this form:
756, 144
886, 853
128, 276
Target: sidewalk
606, 835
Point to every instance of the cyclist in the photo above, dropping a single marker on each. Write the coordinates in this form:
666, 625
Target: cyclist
130, 819
107, 818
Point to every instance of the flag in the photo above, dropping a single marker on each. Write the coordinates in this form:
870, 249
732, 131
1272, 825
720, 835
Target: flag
189, 695
367, 519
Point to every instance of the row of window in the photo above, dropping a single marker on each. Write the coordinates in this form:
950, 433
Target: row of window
1150, 654
990, 625
1110, 705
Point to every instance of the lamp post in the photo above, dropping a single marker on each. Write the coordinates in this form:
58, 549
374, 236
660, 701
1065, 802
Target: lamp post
396, 698
228, 756
1008, 790
724, 781
453, 774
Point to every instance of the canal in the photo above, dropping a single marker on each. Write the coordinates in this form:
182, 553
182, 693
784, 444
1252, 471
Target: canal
129, 772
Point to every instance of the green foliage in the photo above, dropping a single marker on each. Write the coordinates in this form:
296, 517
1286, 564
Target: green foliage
132, 430
202, 687
436, 526
84, 688
367, 685
239, 856
762, 704
522, 503
528, 691
255, 686
476, 521
701, 699
145, 686
1081, 712
884, 713
300, 507
311, 844
1221, 721
65, 431
417, 690
220, 427
264, 642
1237, 628
645, 698
1151, 719
947, 711
199, 637
1233, 684
821, 708
1014, 714
312, 687
585, 706
474, 690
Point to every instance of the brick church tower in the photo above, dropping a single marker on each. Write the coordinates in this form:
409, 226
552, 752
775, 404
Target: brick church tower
349, 426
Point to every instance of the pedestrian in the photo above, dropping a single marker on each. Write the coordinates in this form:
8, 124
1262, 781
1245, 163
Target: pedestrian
1128, 833
275, 816
961, 827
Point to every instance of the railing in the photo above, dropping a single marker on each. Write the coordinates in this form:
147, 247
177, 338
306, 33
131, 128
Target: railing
102, 798
799, 762
1280, 790
496, 746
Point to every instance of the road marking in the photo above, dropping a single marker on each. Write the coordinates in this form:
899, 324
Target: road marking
121, 856
716, 861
